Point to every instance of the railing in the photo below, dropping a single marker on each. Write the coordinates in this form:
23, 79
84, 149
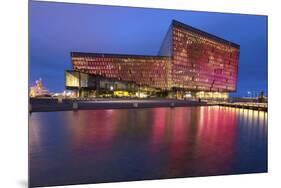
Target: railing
246, 105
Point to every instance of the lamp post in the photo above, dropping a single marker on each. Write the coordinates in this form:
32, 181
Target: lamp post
249, 94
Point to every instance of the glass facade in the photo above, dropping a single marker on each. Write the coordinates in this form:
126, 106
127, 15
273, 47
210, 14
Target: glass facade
150, 71
189, 60
201, 61
72, 79
75, 79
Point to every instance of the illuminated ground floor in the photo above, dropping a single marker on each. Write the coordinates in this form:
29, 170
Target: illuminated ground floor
147, 93
89, 86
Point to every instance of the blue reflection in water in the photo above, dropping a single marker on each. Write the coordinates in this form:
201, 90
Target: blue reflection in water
93, 146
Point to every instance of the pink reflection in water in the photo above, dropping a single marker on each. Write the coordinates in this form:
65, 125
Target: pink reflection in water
216, 139
93, 127
160, 121
119, 145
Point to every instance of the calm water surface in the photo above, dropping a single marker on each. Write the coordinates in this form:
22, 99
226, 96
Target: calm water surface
92, 146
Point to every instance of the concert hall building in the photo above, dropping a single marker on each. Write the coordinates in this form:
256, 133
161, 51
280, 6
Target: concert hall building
190, 63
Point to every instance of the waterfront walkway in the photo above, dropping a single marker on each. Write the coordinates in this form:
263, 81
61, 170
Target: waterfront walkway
46, 105
245, 105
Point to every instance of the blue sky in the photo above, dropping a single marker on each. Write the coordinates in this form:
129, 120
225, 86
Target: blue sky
56, 29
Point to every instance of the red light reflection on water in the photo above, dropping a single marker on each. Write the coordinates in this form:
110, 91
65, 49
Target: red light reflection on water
94, 130
133, 144
216, 139
159, 124
201, 140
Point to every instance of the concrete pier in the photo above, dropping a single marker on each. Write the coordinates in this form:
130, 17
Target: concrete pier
45, 105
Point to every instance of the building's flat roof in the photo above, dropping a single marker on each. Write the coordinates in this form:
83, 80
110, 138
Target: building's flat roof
195, 30
79, 54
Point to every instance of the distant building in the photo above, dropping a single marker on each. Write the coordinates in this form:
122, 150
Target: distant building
190, 62
38, 90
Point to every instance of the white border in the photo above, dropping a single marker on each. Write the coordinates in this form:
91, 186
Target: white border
13, 93
256, 7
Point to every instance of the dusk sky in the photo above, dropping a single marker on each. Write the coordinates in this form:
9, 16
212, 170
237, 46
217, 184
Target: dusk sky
56, 29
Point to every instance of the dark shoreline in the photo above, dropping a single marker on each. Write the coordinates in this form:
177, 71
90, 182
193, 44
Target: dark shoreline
49, 105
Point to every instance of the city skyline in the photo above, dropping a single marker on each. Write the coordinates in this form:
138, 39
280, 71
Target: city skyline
82, 28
